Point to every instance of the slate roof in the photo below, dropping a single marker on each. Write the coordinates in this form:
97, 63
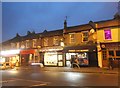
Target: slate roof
100, 24
51, 33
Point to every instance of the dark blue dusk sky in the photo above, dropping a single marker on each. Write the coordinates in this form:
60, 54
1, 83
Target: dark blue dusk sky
19, 17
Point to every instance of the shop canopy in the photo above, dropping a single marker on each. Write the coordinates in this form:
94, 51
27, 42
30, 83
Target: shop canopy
81, 48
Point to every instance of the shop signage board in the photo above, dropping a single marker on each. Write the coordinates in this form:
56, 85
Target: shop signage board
27, 51
86, 50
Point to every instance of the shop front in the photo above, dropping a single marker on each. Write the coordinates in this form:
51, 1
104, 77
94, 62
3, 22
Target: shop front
86, 55
29, 56
52, 56
9, 57
110, 50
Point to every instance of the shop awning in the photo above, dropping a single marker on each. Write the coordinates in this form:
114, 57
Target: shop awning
81, 48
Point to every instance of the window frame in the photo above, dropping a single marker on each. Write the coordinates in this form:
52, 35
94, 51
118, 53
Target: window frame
85, 36
34, 42
72, 37
55, 40
27, 43
45, 42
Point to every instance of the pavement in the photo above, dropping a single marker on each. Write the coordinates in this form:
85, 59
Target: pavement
69, 69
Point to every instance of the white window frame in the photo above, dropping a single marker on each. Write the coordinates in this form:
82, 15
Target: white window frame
45, 41
27, 44
17, 45
84, 36
34, 43
22, 44
55, 40
13, 45
72, 37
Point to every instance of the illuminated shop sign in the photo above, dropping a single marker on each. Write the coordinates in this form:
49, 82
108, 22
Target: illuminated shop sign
107, 34
9, 52
27, 51
51, 49
86, 50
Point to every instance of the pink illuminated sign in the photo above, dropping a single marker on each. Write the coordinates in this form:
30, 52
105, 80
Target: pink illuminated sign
107, 34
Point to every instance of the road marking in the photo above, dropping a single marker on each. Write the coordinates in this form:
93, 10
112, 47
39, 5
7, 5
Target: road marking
35, 83
29, 80
40, 84
3, 81
6, 81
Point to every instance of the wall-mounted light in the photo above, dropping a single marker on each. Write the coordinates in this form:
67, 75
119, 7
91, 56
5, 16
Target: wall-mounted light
62, 44
92, 31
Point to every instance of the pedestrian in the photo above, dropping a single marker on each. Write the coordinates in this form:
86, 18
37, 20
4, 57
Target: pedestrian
72, 61
111, 63
76, 61
17, 64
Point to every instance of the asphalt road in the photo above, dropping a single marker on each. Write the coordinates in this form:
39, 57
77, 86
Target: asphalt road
36, 77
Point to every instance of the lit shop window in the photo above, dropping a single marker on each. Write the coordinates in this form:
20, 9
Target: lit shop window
107, 34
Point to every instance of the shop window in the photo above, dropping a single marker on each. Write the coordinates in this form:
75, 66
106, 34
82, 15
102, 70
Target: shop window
50, 58
107, 34
85, 36
72, 38
83, 58
55, 40
117, 52
45, 42
111, 53
104, 54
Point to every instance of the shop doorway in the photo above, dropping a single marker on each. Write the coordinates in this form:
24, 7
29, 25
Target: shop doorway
93, 61
24, 59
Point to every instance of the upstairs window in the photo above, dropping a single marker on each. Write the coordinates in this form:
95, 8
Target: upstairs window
17, 45
34, 43
85, 36
27, 44
22, 44
13, 45
72, 37
45, 41
55, 40
107, 34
